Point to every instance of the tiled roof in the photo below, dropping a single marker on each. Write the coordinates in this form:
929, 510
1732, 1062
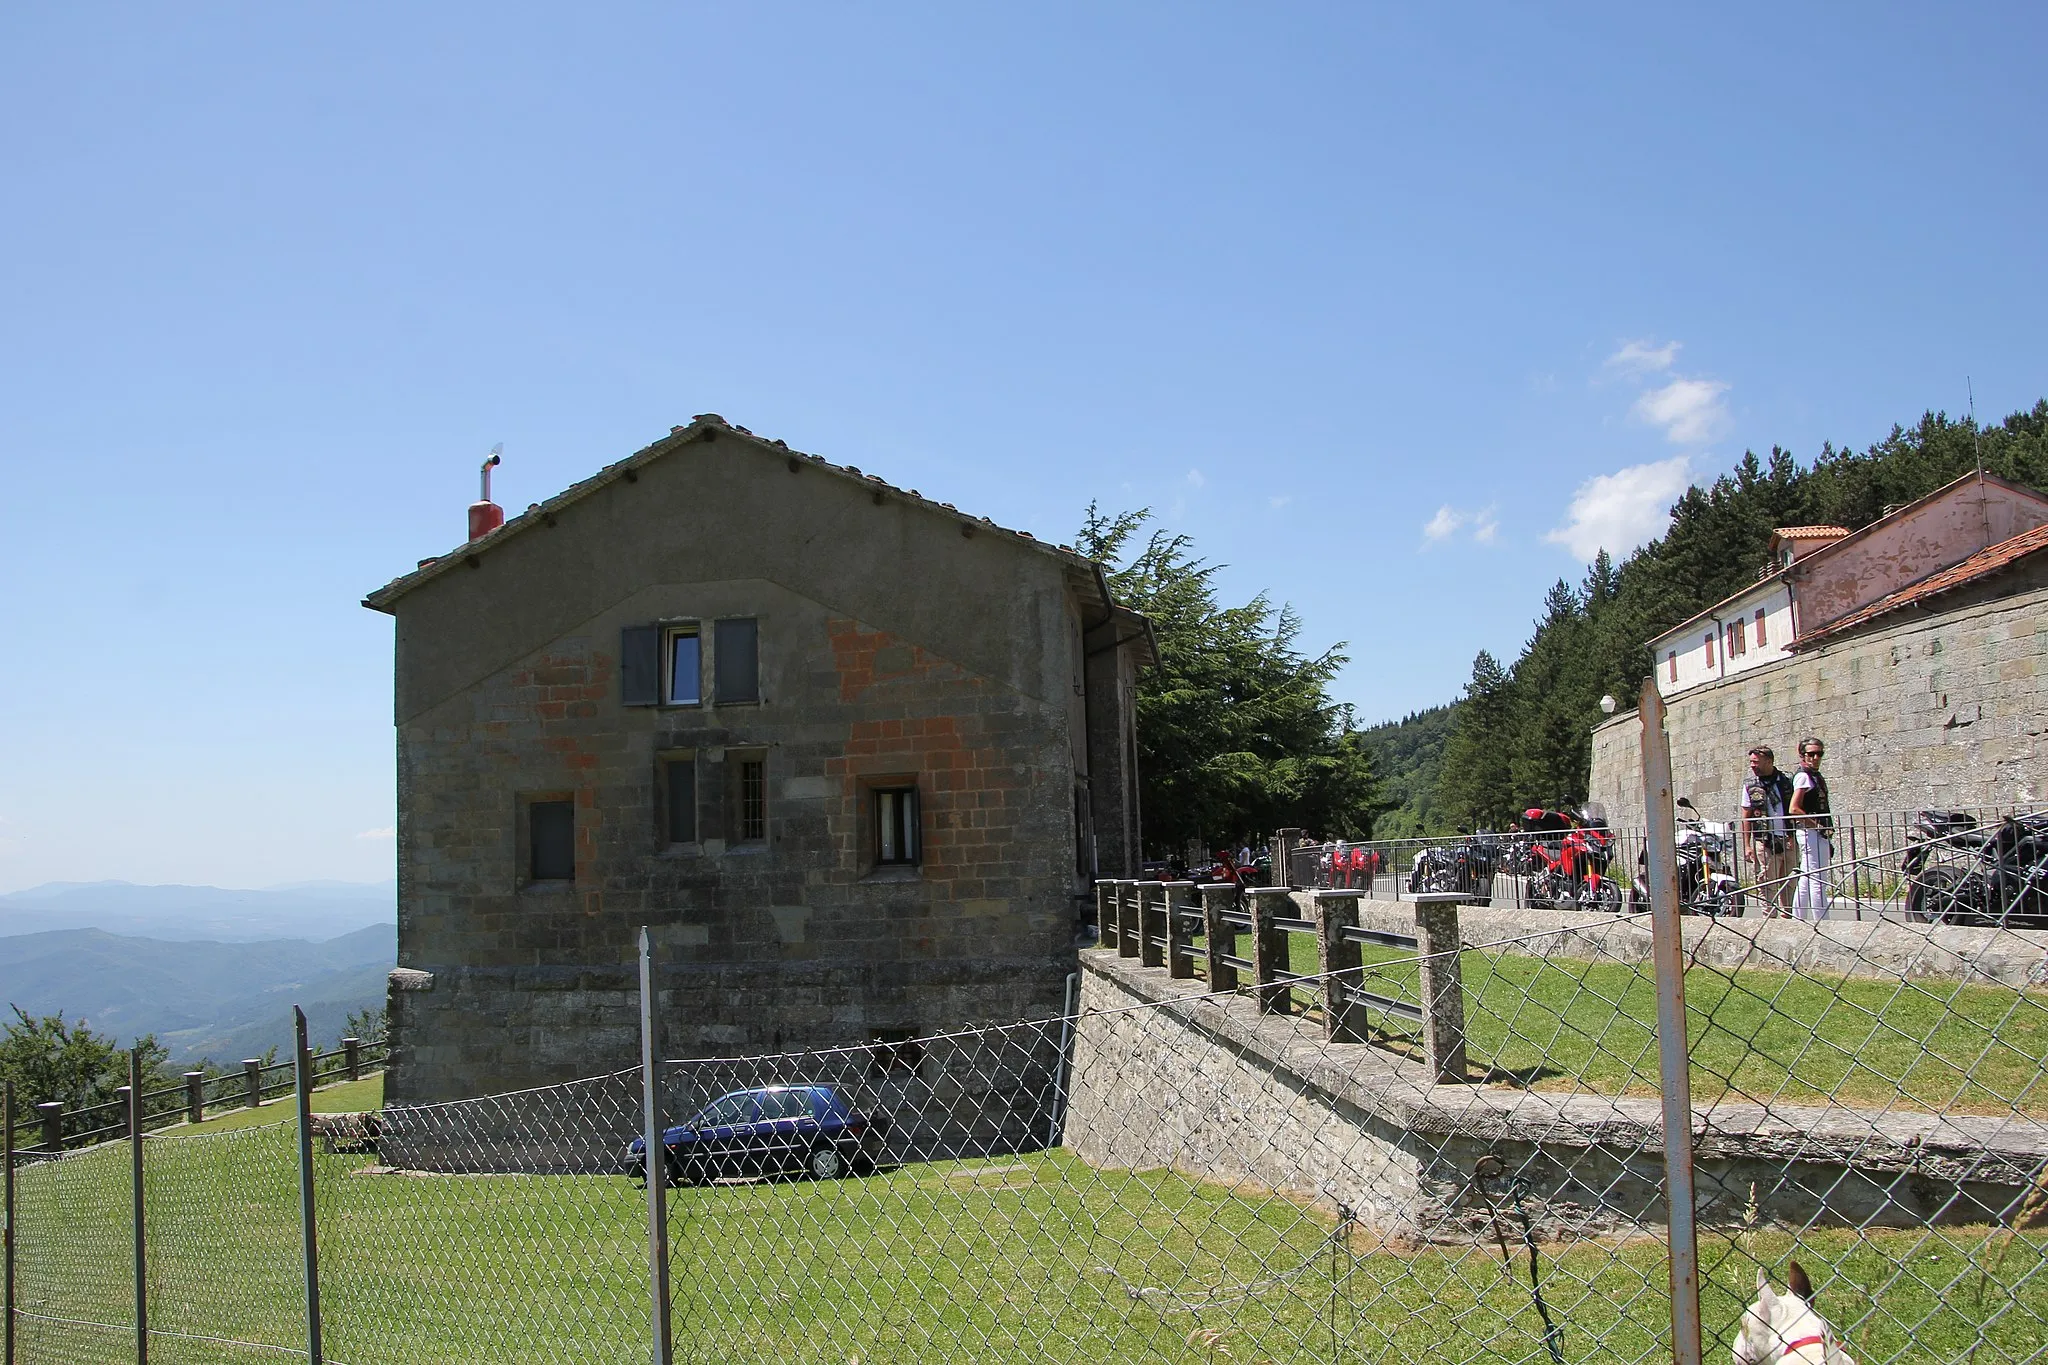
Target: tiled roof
1809, 532
1980, 565
701, 426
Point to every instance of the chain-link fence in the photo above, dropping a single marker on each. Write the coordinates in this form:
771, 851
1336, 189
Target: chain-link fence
1243, 1145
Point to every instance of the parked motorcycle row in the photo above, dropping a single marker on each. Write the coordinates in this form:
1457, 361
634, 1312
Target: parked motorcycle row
1958, 872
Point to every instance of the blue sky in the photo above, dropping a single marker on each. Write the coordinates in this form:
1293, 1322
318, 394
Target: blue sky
1398, 311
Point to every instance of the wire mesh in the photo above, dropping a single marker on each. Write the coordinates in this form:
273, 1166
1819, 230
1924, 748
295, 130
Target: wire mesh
489, 1230
1275, 1172
74, 1269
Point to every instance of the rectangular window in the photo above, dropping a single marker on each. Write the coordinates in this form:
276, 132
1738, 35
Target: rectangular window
685, 667
1671, 662
896, 825
894, 1050
1760, 637
551, 841
736, 656
679, 795
1710, 650
750, 798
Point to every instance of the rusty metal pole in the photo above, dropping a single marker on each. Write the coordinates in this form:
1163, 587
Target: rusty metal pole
656, 1155
7, 1233
309, 1229
134, 1096
1667, 951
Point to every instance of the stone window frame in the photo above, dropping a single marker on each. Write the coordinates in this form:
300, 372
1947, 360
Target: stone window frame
522, 826
737, 758
664, 829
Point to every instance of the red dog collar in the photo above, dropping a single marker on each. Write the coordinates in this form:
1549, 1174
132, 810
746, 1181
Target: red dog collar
1802, 1343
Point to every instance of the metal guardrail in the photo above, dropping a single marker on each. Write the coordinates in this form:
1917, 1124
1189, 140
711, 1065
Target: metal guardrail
1157, 923
54, 1129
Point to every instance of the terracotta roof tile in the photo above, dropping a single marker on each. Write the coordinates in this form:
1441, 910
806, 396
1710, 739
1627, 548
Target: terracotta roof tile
1985, 562
1809, 532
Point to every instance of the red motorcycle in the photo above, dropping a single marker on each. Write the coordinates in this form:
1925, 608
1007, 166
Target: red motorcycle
1568, 854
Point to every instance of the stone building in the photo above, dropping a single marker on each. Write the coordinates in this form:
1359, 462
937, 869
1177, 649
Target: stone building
854, 755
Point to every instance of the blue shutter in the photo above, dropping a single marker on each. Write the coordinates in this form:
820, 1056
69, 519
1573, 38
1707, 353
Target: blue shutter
640, 666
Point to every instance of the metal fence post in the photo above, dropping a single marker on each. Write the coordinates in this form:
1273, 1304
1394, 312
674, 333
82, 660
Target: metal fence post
52, 1114
1442, 979
1180, 962
309, 1231
134, 1097
7, 1231
657, 1163
1340, 961
195, 1097
1667, 951
1219, 939
252, 1076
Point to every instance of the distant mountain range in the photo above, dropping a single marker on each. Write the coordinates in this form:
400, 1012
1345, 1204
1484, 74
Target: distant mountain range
211, 972
307, 910
226, 1001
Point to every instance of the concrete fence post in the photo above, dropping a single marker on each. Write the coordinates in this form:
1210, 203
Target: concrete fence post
1151, 924
1443, 985
1284, 843
352, 1057
1105, 913
52, 1114
1339, 959
252, 1079
1126, 919
1269, 948
1218, 937
195, 1097
1180, 961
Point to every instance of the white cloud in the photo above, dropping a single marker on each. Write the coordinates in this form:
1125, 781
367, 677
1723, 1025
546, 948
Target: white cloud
388, 832
1619, 511
1196, 479
1486, 524
1690, 410
1441, 526
1644, 357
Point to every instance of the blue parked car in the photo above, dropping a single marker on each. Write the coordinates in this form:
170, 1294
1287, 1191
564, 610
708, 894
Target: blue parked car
767, 1130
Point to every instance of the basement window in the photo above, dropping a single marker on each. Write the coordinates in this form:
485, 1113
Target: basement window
551, 841
896, 842
895, 1051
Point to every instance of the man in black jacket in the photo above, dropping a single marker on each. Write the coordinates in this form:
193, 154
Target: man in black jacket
1766, 833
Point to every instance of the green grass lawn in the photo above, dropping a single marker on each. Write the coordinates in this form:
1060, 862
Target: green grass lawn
1015, 1259
1562, 1023
347, 1097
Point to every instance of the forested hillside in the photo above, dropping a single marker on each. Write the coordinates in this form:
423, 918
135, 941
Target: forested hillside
1407, 756
1522, 733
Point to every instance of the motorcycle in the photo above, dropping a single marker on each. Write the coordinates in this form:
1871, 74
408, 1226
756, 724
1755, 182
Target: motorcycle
1469, 866
1706, 868
1960, 873
1568, 857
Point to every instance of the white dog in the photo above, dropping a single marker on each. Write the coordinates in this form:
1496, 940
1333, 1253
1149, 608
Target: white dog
1782, 1328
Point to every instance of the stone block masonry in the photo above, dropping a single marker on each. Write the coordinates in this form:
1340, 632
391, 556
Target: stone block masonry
1946, 709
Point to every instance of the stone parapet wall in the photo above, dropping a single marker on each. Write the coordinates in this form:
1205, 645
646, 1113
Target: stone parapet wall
1940, 710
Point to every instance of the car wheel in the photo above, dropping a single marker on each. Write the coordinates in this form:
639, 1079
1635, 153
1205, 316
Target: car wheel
825, 1162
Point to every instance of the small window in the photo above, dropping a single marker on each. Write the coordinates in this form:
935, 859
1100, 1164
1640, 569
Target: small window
1671, 663
679, 796
551, 840
750, 798
1761, 639
896, 825
685, 667
896, 1051
1710, 651
736, 656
